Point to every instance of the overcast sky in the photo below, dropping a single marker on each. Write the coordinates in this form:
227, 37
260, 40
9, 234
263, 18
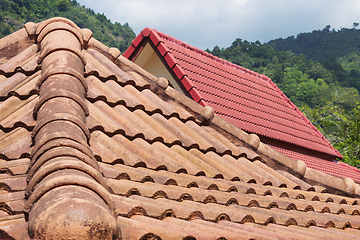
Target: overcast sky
206, 23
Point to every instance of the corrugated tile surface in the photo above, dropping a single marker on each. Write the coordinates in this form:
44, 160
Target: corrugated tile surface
248, 100
172, 177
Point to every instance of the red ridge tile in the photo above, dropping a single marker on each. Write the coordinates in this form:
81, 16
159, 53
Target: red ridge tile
170, 60
155, 38
195, 94
129, 51
202, 103
137, 41
187, 84
146, 32
162, 48
178, 71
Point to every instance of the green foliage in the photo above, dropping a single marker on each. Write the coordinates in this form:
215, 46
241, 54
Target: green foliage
14, 13
62, 5
339, 121
337, 51
321, 44
326, 91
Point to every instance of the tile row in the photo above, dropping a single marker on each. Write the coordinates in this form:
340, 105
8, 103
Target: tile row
154, 190
229, 85
264, 130
161, 207
140, 174
257, 116
249, 100
140, 227
157, 155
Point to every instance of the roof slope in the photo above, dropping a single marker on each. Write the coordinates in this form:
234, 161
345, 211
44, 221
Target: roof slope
247, 99
173, 169
335, 168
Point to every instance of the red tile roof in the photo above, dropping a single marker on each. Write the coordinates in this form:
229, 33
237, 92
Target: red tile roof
248, 100
335, 168
152, 162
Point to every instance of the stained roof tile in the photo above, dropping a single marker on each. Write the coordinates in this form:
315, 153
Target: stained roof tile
25, 58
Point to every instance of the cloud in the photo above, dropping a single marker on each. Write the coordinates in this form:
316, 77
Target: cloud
206, 23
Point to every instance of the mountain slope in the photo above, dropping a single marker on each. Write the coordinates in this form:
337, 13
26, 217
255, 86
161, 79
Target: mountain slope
321, 44
14, 13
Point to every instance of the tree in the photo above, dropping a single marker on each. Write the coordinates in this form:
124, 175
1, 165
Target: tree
327, 29
339, 121
14, 13
237, 42
62, 5
355, 24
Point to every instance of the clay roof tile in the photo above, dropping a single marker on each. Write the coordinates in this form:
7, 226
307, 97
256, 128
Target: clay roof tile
158, 164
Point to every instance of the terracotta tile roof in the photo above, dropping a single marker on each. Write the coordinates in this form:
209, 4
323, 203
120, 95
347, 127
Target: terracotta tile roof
92, 145
248, 100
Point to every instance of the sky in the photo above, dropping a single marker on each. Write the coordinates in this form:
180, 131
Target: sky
207, 23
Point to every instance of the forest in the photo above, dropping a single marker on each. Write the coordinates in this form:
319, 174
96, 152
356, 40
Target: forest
14, 13
318, 71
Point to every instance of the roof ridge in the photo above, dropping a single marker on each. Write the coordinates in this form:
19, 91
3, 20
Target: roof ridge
61, 105
212, 57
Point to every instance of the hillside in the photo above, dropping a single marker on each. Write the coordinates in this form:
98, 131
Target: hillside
338, 51
14, 13
321, 44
